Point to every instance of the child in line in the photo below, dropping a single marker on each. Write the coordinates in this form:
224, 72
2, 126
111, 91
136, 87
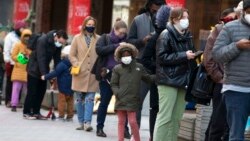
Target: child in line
19, 73
125, 83
64, 80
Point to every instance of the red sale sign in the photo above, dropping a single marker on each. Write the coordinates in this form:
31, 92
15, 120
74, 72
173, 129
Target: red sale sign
21, 9
176, 3
78, 10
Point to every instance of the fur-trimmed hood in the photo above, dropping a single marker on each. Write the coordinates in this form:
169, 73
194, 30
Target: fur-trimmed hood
125, 47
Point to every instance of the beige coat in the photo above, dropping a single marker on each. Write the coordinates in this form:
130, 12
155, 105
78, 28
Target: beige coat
85, 81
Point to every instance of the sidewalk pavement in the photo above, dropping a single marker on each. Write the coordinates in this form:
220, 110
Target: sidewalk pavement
14, 128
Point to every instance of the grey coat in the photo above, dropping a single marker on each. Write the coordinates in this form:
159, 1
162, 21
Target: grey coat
236, 61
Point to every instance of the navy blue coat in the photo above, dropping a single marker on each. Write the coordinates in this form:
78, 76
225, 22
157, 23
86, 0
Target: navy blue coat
64, 78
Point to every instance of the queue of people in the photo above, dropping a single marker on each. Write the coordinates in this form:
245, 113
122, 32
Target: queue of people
156, 54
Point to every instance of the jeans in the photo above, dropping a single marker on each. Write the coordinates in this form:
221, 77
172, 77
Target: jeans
218, 129
171, 109
84, 106
36, 89
106, 95
238, 110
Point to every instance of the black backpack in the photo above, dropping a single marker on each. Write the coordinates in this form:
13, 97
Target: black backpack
33, 40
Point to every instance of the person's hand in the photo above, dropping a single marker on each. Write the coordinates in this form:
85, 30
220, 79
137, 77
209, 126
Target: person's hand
145, 39
43, 77
190, 54
243, 44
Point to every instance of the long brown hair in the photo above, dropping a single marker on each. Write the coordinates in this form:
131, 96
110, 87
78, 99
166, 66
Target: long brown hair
176, 13
83, 31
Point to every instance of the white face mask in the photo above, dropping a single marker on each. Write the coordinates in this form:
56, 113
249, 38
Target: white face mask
126, 60
58, 44
247, 18
184, 23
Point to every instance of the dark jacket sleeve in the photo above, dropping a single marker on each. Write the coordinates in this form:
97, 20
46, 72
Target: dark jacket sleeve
166, 55
132, 36
57, 56
148, 56
146, 76
212, 67
55, 73
41, 54
115, 81
103, 48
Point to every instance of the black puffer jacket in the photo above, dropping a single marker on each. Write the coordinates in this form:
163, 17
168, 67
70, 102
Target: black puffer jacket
172, 67
41, 57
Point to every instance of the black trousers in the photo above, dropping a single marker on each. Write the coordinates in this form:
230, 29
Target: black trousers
218, 129
36, 89
154, 108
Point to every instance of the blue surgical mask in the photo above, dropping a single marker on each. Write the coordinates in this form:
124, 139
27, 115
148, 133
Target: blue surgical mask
90, 29
58, 44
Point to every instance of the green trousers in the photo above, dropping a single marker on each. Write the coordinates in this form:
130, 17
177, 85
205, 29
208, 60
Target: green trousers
171, 108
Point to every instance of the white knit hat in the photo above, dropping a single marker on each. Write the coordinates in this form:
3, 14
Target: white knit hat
66, 50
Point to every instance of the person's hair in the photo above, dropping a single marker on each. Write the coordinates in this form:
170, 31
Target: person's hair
176, 13
62, 33
227, 11
85, 23
119, 23
146, 8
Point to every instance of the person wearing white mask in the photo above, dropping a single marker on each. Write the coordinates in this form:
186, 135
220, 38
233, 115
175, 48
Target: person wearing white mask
125, 84
174, 63
48, 47
232, 48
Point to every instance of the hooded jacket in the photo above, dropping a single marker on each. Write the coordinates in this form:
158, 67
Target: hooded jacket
45, 51
172, 66
125, 80
64, 78
19, 72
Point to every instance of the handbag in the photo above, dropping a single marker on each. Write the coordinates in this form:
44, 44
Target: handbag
75, 70
203, 85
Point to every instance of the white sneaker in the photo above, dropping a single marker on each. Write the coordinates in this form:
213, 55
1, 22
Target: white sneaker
30, 117
87, 127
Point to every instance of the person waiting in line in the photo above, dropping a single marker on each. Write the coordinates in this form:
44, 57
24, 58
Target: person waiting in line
9, 41
48, 47
64, 81
232, 48
174, 64
141, 30
149, 62
105, 48
19, 73
217, 128
82, 54
125, 83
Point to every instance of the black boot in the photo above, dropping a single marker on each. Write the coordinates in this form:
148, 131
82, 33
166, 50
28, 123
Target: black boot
100, 133
126, 134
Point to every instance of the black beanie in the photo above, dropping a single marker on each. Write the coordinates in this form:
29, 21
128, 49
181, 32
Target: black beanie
246, 4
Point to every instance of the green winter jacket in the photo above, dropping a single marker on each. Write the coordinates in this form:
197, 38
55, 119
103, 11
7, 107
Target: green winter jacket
125, 83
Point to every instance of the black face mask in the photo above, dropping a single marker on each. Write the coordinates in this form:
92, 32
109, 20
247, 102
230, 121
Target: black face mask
18, 33
90, 29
